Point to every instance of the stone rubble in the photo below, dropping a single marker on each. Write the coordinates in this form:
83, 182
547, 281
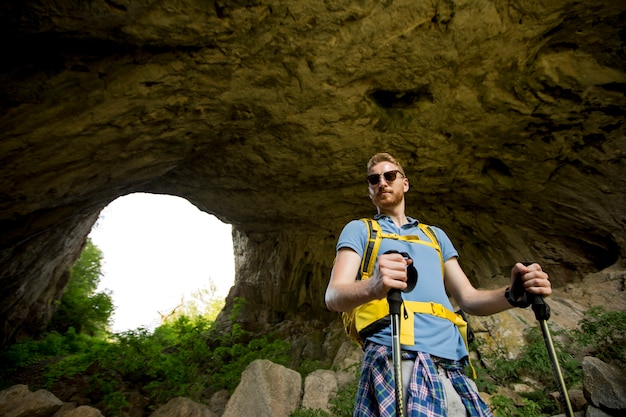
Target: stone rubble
271, 390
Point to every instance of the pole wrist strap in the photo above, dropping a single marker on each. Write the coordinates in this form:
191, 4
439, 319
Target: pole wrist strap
522, 303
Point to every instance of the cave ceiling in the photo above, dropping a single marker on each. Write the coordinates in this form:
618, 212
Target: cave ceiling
508, 117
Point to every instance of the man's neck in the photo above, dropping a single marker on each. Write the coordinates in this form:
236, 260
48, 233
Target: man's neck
398, 216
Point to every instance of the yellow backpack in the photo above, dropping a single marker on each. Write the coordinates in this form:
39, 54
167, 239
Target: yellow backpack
369, 318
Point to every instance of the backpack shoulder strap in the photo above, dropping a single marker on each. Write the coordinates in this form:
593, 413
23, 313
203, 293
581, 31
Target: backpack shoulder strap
428, 230
374, 237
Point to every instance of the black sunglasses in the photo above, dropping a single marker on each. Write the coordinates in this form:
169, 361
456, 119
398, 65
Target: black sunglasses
390, 176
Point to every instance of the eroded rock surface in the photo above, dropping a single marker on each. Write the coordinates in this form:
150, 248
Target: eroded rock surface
509, 118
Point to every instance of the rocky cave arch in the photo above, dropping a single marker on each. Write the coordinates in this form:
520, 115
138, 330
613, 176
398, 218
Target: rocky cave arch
509, 118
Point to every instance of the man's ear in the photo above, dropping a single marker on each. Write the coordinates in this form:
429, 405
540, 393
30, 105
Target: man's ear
407, 184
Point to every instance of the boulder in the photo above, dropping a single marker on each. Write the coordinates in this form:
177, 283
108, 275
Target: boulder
604, 386
183, 407
19, 401
319, 388
80, 411
266, 390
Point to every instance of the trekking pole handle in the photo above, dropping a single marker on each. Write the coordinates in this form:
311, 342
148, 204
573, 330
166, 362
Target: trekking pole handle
394, 298
411, 271
539, 306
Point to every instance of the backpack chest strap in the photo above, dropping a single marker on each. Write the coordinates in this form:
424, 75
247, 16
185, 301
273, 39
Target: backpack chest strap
407, 326
434, 309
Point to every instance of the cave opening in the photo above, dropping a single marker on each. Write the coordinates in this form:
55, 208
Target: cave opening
161, 253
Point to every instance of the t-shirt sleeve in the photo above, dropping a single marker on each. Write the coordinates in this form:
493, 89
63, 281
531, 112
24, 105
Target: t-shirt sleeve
447, 248
353, 236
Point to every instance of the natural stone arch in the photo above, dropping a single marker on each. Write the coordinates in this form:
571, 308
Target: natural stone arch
508, 117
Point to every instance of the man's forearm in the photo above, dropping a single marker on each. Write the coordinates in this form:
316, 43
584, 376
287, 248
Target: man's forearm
486, 302
348, 297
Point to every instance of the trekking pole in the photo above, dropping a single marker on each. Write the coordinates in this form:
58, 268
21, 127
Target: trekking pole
394, 298
395, 301
542, 314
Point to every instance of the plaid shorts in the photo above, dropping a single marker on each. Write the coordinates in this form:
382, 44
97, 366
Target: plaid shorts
426, 396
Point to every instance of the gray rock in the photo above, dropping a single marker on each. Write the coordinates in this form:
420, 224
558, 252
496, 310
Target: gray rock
19, 401
596, 412
81, 411
183, 407
604, 386
218, 402
266, 390
319, 388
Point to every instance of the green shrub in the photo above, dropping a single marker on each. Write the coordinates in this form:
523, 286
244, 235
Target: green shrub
80, 306
231, 361
176, 359
308, 412
603, 334
484, 381
534, 362
51, 347
546, 403
308, 366
505, 407
343, 404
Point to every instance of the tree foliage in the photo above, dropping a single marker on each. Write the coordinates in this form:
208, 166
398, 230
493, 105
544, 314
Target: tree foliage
204, 303
81, 307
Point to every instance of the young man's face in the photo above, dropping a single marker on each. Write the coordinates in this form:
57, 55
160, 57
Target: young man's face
387, 192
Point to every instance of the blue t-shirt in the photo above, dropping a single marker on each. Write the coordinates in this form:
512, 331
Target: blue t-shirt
434, 335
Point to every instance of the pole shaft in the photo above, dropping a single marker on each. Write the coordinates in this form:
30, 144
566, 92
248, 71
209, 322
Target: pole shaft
567, 406
397, 363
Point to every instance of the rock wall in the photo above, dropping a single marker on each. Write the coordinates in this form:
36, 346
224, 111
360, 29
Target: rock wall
508, 116
288, 271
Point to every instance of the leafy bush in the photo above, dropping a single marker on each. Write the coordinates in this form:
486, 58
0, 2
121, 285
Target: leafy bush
51, 345
484, 381
173, 361
231, 361
505, 407
81, 307
203, 303
545, 403
602, 334
343, 404
308, 412
534, 362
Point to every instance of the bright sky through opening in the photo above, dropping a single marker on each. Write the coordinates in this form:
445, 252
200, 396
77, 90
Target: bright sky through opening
157, 249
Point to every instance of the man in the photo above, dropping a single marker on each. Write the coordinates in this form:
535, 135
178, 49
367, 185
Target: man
434, 363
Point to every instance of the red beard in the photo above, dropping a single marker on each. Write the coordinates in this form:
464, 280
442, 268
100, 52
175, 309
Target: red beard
389, 198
